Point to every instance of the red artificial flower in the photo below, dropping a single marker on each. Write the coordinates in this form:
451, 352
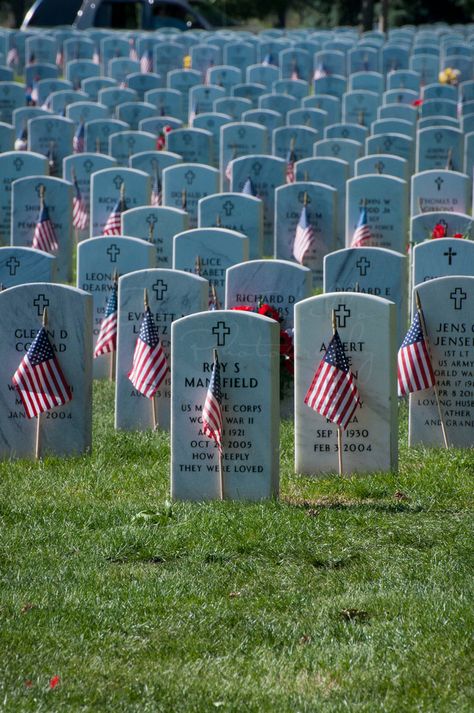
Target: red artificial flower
458, 235
286, 343
417, 102
54, 682
439, 231
243, 308
268, 311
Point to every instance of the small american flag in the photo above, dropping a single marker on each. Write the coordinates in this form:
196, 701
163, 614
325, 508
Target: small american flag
228, 169
13, 58
78, 139
267, 60
44, 237
415, 371
113, 225
39, 379
156, 190
248, 188
80, 217
193, 113
304, 237
107, 339
59, 58
294, 73
96, 56
362, 234
146, 62
212, 411
21, 141
290, 166
133, 50
52, 163
34, 92
320, 72
149, 366
333, 392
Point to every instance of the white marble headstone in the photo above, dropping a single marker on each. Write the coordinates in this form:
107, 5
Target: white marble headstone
367, 328
448, 309
66, 430
248, 351
172, 294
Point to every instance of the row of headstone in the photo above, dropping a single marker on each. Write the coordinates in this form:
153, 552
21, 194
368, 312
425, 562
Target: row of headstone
248, 347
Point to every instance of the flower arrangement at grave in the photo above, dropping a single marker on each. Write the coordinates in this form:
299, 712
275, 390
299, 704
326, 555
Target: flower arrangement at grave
449, 76
287, 353
161, 140
440, 230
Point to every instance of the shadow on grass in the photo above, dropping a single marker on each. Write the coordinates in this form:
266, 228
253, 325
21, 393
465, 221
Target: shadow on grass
313, 506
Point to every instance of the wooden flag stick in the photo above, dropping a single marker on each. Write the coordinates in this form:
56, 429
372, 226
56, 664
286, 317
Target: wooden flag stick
218, 221
42, 191
76, 230
184, 199
97, 145
38, 418
113, 353
151, 233
449, 160
214, 298
221, 474
153, 400
435, 387
198, 265
339, 429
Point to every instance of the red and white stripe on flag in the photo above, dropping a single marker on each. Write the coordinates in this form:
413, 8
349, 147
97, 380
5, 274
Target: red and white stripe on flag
149, 368
44, 237
415, 371
333, 393
113, 225
39, 379
107, 339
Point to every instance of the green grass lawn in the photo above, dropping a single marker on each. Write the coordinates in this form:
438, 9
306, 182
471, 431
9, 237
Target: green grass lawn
346, 595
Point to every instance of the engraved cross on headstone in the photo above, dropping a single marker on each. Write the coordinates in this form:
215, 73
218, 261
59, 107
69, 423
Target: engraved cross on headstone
12, 264
342, 315
221, 330
41, 302
118, 180
439, 182
228, 207
450, 254
363, 264
159, 288
113, 251
189, 176
458, 296
151, 220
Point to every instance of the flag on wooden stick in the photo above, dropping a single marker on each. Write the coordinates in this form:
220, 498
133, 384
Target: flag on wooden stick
107, 339
149, 366
39, 378
304, 236
333, 392
113, 225
212, 411
80, 217
415, 371
362, 234
44, 237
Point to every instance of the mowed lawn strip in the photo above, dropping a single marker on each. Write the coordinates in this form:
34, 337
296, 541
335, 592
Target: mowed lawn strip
348, 594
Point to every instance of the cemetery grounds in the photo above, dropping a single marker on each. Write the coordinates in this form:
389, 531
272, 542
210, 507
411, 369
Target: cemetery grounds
348, 593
